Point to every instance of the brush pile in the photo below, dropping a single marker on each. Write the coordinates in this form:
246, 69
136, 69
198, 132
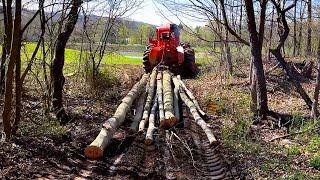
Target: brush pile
157, 101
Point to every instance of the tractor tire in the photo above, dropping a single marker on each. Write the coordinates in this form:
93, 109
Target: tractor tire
190, 68
146, 63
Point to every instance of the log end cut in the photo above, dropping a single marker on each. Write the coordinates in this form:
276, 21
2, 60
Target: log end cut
93, 152
168, 123
148, 142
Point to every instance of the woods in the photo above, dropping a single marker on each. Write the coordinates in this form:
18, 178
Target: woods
160, 90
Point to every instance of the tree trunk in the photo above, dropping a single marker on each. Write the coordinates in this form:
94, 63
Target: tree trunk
314, 110
228, 53
309, 53
96, 148
17, 57
302, 10
294, 31
291, 75
7, 40
14, 55
57, 77
256, 48
253, 89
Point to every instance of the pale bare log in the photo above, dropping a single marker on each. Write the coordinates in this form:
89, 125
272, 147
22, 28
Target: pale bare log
176, 103
152, 119
198, 119
148, 104
170, 119
96, 148
160, 98
191, 96
176, 97
139, 111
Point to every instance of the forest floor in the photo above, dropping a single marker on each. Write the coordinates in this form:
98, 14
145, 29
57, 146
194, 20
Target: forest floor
44, 149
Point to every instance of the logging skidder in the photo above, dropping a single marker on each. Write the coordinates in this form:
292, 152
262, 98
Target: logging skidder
156, 99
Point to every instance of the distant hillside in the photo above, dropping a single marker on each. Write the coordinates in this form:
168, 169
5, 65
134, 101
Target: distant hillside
33, 31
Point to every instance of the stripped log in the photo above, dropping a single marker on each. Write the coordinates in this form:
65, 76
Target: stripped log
148, 104
139, 111
96, 148
176, 102
152, 119
196, 116
160, 98
191, 96
170, 119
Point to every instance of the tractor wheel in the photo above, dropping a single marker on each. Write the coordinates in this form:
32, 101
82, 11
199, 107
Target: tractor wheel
146, 64
189, 65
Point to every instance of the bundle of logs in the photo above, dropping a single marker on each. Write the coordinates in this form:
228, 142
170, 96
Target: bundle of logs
156, 101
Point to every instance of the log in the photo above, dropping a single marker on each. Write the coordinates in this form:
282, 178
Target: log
96, 148
176, 102
170, 119
139, 111
160, 98
197, 117
191, 96
152, 119
147, 106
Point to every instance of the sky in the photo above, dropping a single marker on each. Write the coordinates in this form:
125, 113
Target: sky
149, 13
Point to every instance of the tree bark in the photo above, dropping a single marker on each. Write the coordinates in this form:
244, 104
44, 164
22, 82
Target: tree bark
309, 52
14, 55
17, 57
7, 40
57, 77
256, 48
302, 10
96, 148
294, 31
314, 110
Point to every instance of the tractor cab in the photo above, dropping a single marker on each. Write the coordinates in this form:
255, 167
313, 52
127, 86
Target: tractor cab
165, 50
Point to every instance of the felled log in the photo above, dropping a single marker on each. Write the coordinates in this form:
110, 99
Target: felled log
170, 119
191, 96
152, 119
197, 117
160, 98
176, 102
148, 104
139, 111
96, 148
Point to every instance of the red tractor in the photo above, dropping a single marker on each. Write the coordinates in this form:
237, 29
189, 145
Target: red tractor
166, 50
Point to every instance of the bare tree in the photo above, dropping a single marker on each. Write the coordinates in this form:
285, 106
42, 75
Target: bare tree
113, 12
308, 50
57, 77
14, 59
314, 110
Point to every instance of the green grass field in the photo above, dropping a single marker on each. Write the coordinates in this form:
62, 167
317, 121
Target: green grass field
72, 56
